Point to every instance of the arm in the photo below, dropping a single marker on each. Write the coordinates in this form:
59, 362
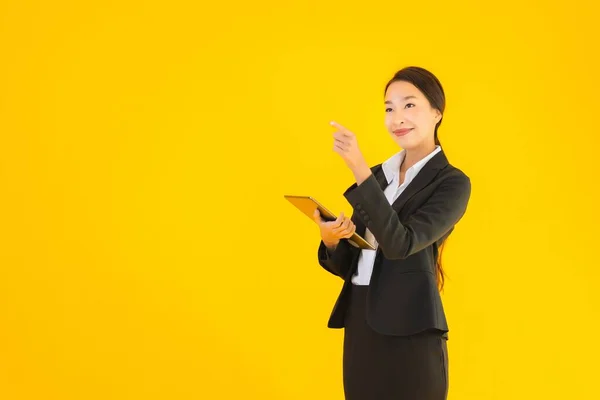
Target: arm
336, 261
428, 224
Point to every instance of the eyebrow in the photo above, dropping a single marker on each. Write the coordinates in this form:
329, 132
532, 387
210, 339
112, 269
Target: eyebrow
404, 98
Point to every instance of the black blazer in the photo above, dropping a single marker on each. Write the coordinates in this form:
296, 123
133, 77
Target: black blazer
403, 297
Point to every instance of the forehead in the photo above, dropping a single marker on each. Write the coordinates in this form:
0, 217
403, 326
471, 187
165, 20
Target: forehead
398, 90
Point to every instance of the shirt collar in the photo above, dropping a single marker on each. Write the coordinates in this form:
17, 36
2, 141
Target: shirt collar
391, 167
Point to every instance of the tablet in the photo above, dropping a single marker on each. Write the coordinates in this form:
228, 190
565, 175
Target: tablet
307, 205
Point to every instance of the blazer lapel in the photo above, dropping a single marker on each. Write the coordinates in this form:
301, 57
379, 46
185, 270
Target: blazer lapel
423, 178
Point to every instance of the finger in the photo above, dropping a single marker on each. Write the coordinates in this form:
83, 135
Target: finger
343, 137
339, 149
342, 227
344, 233
346, 225
338, 221
352, 231
341, 146
348, 232
347, 222
317, 216
342, 140
341, 128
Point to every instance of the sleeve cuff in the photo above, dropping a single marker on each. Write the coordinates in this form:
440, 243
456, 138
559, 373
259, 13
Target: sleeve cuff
356, 194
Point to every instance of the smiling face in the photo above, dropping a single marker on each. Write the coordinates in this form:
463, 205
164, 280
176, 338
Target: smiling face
409, 117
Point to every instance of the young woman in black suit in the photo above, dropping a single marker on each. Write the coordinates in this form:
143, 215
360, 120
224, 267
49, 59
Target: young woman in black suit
395, 329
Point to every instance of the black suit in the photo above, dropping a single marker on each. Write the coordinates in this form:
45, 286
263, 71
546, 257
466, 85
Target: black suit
395, 328
403, 296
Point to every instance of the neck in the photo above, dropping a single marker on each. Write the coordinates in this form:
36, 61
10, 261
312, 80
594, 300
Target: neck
413, 156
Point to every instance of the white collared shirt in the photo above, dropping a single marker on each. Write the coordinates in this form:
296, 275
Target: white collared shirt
391, 170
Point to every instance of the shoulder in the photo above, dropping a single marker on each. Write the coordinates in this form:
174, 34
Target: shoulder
453, 177
450, 171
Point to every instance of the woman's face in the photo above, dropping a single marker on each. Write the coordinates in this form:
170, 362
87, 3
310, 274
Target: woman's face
409, 117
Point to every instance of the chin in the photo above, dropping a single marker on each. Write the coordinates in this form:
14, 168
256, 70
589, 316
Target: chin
406, 143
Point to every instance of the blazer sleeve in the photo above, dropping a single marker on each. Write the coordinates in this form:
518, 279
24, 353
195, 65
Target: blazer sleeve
434, 219
338, 261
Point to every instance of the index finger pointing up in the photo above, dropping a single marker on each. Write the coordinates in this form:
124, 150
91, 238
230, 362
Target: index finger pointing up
342, 129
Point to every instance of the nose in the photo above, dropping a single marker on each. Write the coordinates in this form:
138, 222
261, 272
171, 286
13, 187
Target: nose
397, 119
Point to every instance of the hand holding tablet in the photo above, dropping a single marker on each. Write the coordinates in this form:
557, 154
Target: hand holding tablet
343, 229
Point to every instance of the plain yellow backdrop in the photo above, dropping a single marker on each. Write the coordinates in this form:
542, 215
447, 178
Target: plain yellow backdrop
145, 147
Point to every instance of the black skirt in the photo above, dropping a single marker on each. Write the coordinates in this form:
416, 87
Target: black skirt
382, 367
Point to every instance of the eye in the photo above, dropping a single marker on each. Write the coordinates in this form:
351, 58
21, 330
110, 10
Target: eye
388, 110
409, 104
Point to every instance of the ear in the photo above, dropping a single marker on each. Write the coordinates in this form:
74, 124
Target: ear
437, 115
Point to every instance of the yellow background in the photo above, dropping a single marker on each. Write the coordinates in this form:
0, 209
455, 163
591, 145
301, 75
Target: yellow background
142, 143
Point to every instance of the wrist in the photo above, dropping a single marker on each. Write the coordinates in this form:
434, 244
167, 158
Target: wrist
331, 245
361, 172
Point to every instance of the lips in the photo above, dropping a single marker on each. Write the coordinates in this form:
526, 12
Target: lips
402, 132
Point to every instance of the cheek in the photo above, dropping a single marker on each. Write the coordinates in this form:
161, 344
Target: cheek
420, 118
388, 120
412, 115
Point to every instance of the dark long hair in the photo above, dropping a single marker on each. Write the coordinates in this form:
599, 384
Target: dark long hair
432, 89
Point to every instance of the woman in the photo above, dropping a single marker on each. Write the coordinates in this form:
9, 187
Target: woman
395, 329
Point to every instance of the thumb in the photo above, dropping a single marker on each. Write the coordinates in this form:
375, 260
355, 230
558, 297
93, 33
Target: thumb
317, 216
